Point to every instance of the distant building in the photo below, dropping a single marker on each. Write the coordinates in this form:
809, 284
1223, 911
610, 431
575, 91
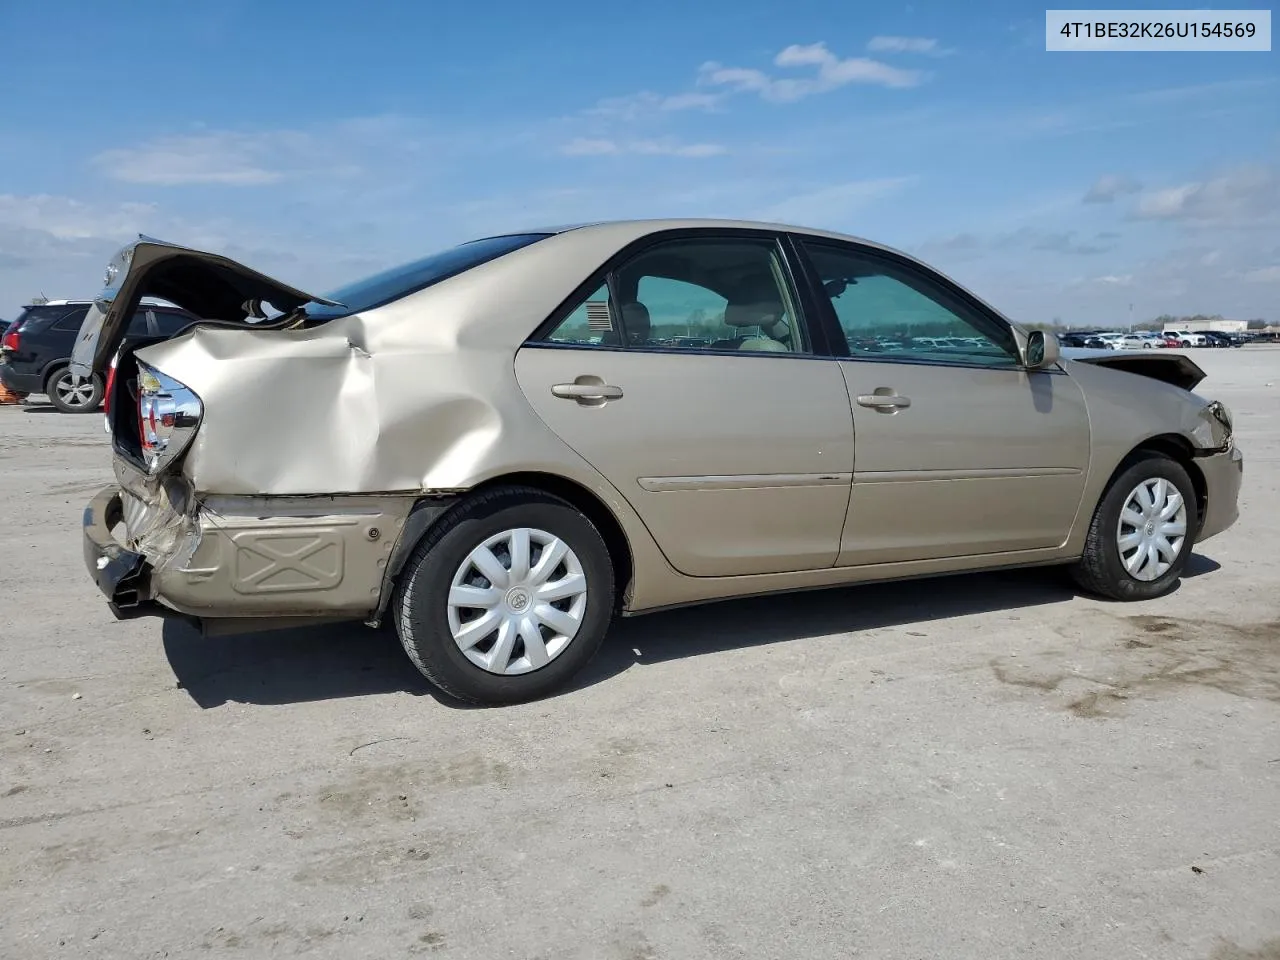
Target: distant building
1199, 326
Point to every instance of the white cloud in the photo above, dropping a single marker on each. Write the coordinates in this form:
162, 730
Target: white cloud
925, 45
600, 147
237, 158
58, 246
1246, 194
227, 158
646, 103
832, 206
1263, 275
1110, 186
831, 74
66, 219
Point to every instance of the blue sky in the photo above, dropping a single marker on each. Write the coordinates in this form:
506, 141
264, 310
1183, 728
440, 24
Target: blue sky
326, 144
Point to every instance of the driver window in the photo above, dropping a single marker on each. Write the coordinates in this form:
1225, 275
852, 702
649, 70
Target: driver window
722, 295
892, 312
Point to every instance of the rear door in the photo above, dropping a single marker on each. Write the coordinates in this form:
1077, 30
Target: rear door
960, 451
687, 376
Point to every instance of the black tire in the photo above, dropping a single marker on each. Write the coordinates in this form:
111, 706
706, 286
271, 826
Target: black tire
67, 402
421, 602
1101, 570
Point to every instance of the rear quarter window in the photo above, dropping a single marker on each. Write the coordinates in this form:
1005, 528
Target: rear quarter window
35, 319
72, 320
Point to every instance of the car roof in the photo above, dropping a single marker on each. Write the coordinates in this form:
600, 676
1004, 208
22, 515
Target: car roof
644, 226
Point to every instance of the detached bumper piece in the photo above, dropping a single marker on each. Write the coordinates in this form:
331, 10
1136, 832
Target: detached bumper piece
124, 577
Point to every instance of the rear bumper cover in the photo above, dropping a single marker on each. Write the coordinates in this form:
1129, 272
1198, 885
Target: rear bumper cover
124, 577
244, 557
20, 382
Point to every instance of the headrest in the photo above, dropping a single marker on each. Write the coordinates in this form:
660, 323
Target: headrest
635, 320
763, 345
758, 314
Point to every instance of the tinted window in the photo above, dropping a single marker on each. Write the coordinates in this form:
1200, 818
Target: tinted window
722, 295
169, 323
138, 326
591, 322
34, 319
888, 310
401, 281
72, 320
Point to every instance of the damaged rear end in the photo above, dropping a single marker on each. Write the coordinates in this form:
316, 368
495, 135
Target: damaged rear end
153, 541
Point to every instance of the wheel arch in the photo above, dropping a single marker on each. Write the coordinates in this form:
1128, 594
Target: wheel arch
1177, 448
587, 503
51, 368
429, 511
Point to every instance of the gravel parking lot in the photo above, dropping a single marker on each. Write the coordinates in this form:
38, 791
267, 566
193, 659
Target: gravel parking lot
982, 766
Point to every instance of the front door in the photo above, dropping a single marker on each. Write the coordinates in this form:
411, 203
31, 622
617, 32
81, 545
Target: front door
960, 451
687, 381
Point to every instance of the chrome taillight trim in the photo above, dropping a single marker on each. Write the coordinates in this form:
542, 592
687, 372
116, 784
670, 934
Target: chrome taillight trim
169, 414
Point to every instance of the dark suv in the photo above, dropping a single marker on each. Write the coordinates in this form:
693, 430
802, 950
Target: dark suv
36, 349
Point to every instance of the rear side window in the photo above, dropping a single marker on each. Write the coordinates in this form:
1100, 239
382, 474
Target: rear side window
64, 317
382, 288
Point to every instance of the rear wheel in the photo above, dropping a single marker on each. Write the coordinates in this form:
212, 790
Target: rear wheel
70, 393
507, 598
1142, 532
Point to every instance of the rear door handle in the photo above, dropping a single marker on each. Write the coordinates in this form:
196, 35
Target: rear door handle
884, 402
586, 393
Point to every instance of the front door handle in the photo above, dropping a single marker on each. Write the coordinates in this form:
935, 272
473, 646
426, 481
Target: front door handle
884, 402
589, 391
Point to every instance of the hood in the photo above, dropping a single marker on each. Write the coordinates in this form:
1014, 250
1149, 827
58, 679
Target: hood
213, 287
1174, 368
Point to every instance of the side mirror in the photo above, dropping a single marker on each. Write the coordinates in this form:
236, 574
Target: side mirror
1042, 350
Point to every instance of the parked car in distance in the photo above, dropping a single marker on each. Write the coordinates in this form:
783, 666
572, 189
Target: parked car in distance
489, 447
1112, 341
1218, 338
1088, 341
1188, 339
35, 352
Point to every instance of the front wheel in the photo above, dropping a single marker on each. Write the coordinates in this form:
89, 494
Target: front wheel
507, 598
1142, 531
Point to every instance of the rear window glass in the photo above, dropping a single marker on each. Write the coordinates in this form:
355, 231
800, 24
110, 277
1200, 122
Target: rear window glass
382, 288
61, 317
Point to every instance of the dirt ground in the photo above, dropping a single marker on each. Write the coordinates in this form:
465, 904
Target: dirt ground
985, 766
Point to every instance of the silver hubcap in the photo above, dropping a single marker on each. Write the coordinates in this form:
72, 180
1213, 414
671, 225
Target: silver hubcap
1153, 529
73, 391
517, 601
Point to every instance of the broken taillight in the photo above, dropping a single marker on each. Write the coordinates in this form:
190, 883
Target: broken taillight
169, 413
12, 339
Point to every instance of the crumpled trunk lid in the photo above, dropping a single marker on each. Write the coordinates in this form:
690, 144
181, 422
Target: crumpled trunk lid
209, 285
1173, 368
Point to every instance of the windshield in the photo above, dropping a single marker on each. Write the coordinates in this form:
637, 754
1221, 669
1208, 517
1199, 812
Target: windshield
382, 288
